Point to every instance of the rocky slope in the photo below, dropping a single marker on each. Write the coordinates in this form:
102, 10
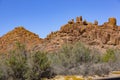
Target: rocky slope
21, 35
93, 35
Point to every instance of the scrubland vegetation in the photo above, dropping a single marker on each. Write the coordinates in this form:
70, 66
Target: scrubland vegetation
20, 64
76, 59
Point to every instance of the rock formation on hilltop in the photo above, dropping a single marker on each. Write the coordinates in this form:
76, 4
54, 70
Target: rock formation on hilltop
96, 36
93, 35
21, 35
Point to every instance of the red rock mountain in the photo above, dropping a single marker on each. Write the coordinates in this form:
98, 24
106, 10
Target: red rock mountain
93, 35
21, 35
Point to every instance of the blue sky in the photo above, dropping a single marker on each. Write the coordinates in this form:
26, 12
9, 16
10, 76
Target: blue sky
44, 16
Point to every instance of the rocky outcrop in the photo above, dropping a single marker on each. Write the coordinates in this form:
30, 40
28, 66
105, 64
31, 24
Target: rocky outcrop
112, 21
93, 35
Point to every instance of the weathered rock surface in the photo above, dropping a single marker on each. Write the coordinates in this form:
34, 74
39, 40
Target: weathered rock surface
21, 35
93, 35
97, 36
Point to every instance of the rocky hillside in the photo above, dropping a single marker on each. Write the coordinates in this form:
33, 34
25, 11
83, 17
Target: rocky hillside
21, 35
93, 35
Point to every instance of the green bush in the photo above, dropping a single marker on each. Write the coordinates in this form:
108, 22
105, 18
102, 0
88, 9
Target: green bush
109, 56
80, 60
2, 76
82, 53
70, 57
39, 66
16, 64
21, 64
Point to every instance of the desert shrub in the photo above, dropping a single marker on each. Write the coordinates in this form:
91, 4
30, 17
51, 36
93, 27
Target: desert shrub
85, 55
2, 75
62, 60
70, 58
3, 67
17, 65
109, 56
21, 64
114, 63
16, 62
80, 60
100, 69
107, 62
39, 66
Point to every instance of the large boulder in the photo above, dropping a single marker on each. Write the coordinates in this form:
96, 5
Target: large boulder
79, 19
112, 21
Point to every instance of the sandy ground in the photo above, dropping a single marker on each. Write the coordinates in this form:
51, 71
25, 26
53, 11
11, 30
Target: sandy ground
113, 74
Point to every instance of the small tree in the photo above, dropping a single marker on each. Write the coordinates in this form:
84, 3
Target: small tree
17, 62
39, 66
21, 64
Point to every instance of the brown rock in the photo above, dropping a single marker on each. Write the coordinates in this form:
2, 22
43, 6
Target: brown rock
79, 19
105, 38
113, 40
71, 21
21, 35
95, 22
112, 21
93, 35
85, 22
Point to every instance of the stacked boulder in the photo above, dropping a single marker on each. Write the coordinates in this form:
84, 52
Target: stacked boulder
99, 36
